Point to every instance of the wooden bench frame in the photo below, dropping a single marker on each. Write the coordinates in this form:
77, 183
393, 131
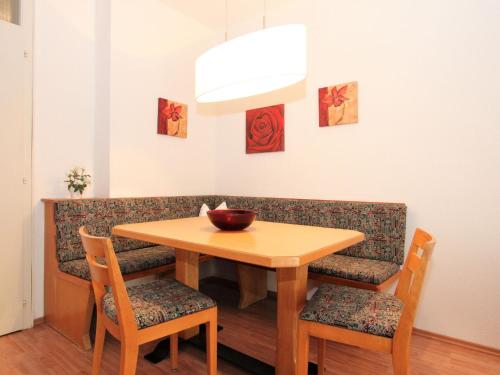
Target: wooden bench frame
68, 299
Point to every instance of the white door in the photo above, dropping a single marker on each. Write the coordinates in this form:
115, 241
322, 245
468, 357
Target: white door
15, 145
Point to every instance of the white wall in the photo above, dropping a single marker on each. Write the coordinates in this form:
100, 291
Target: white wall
102, 92
63, 109
428, 136
99, 68
153, 48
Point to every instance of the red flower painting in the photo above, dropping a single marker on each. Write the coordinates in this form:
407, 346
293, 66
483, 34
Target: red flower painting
336, 97
265, 131
338, 104
173, 112
172, 118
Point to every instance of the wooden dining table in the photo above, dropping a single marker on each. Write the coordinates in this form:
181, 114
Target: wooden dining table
288, 248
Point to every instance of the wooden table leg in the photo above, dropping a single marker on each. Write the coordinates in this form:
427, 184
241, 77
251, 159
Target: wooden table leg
187, 272
292, 289
253, 284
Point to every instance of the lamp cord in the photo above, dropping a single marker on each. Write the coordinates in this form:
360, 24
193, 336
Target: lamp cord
264, 24
264, 16
225, 32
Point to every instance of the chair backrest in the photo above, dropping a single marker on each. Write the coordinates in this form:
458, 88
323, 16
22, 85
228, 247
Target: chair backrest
412, 278
107, 275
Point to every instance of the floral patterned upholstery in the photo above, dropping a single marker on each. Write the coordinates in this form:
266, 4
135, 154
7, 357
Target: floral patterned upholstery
353, 268
160, 301
360, 310
384, 224
130, 261
101, 215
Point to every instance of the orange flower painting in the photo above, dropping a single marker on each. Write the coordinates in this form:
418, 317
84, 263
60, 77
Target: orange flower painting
172, 118
338, 105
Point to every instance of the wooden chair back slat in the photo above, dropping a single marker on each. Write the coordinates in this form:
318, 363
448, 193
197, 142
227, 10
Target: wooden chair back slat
94, 246
412, 275
410, 283
414, 262
108, 275
95, 250
99, 273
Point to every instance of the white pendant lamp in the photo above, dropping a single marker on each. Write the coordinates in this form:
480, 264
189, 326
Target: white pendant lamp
252, 64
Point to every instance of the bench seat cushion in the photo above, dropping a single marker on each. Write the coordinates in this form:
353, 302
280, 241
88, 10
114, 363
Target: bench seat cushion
359, 269
360, 310
130, 261
160, 301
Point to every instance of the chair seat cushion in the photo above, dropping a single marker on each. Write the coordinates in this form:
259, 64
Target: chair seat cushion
360, 310
159, 301
130, 261
360, 269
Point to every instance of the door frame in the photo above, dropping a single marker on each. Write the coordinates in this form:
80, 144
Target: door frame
27, 20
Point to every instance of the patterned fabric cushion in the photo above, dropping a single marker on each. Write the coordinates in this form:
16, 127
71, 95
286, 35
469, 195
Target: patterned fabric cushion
384, 224
160, 301
356, 309
130, 261
101, 215
359, 269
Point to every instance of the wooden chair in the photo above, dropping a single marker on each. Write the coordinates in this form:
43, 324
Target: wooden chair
143, 313
372, 320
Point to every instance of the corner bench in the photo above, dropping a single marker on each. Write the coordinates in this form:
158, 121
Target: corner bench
69, 302
373, 264
68, 298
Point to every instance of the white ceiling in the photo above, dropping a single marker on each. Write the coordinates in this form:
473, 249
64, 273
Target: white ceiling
211, 13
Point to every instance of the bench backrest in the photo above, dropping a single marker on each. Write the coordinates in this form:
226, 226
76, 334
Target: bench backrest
99, 216
384, 224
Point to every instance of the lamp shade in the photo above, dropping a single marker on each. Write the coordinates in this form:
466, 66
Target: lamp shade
252, 64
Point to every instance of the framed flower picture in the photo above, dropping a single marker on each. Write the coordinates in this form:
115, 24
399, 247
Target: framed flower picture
172, 118
265, 129
338, 105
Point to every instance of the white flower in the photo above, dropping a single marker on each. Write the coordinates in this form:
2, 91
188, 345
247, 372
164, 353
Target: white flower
77, 179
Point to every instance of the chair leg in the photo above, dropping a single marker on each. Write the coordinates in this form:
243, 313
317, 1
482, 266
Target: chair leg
321, 356
174, 351
401, 359
100, 336
211, 329
302, 349
128, 359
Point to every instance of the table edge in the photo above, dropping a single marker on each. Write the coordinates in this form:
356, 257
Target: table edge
269, 262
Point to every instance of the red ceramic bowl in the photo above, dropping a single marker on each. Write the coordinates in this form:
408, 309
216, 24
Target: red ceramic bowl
231, 219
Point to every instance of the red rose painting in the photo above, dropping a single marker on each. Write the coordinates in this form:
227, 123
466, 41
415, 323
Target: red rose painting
172, 118
265, 129
338, 104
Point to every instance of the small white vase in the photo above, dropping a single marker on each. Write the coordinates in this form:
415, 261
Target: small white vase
75, 195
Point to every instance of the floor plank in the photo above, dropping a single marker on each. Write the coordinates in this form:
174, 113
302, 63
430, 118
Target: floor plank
41, 350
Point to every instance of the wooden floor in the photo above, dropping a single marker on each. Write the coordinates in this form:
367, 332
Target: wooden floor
43, 351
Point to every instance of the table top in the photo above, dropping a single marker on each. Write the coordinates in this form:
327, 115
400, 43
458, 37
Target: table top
266, 244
